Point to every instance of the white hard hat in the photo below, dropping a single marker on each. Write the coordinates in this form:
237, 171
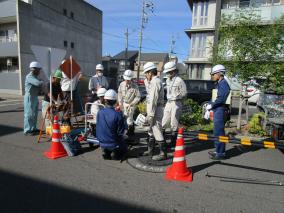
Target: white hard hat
149, 66
128, 75
110, 95
35, 64
140, 120
99, 67
218, 68
101, 92
169, 66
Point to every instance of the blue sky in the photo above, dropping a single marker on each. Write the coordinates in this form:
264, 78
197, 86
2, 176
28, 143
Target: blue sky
170, 18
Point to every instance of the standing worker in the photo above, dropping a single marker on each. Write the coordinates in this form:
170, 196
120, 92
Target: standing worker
128, 97
56, 93
98, 81
67, 85
32, 90
155, 102
176, 91
220, 109
110, 128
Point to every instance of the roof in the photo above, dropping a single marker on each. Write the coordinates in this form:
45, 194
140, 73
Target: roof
154, 56
122, 54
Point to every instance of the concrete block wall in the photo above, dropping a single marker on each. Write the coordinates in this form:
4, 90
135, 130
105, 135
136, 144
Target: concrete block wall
44, 23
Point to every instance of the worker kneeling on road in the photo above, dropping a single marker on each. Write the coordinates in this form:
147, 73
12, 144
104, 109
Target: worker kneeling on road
155, 109
128, 97
176, 91
110, 128
220, 110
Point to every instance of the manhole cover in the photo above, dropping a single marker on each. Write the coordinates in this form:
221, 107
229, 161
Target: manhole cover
145, 163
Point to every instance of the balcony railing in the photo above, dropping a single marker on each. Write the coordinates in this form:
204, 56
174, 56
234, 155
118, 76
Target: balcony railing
5, 39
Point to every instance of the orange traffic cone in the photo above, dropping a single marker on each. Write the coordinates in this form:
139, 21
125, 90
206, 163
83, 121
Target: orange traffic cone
57, 150
178, 170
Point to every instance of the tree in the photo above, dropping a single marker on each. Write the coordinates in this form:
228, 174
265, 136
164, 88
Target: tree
248, 47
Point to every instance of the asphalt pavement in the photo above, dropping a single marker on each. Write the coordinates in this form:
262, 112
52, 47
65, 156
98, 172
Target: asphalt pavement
29, 182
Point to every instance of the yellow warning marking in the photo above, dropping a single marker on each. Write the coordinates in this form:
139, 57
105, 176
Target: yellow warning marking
268, 144
203, 137
246, 141
224, 139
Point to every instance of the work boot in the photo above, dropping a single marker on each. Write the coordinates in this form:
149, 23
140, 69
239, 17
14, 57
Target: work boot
163, 153
173, 139
151, 146
130, 131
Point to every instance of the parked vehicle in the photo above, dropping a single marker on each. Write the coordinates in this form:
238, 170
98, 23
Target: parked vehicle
252, 89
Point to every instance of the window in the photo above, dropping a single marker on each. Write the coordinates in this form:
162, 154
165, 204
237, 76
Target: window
196, 71
65, 12
198, 44
72, 45
200, 13
65, 43
72, 15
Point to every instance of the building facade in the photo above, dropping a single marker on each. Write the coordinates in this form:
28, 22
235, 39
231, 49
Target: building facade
50, 23
206, 16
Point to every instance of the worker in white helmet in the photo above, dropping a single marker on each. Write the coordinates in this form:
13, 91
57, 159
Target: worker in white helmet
128, 97
219, 108
176, 91
155, 108
98, 104
98, 81
110, 128
32, 89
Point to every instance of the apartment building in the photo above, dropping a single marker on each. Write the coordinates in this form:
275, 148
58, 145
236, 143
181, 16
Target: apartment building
206, 15
72, 25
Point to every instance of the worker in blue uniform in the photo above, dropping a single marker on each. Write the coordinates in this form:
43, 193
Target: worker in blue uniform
32, 89
220, 110
110, 128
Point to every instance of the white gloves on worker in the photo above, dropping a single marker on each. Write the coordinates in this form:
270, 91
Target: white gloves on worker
207, 115
208, 107
150, 120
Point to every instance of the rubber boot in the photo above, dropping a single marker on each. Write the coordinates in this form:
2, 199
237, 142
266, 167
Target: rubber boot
163, 152
173, 139
130, 131
151, 146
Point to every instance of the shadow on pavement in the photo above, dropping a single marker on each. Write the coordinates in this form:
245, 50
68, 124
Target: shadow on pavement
6, 130
25, 194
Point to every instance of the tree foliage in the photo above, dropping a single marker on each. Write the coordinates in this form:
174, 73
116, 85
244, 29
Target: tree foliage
248, 47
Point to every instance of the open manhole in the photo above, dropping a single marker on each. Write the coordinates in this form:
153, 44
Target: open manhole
145, 163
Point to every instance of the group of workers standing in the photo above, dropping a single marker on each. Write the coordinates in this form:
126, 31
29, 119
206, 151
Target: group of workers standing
113, 111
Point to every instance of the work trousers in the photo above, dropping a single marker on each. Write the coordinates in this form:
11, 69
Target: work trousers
219, 129
155, 129
172, 114
128, 113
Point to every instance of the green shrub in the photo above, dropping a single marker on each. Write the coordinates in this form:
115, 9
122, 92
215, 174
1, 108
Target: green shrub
255, 126
194, 117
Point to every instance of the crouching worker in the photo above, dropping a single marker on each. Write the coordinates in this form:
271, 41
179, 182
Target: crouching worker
96, 107
110, 128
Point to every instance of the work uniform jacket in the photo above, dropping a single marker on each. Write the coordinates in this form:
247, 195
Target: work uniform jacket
98, 81
128, 97
176, 91
96, 106
110, 128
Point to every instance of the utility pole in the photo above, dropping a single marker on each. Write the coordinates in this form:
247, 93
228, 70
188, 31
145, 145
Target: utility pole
172, 46
126, 49
144, 19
